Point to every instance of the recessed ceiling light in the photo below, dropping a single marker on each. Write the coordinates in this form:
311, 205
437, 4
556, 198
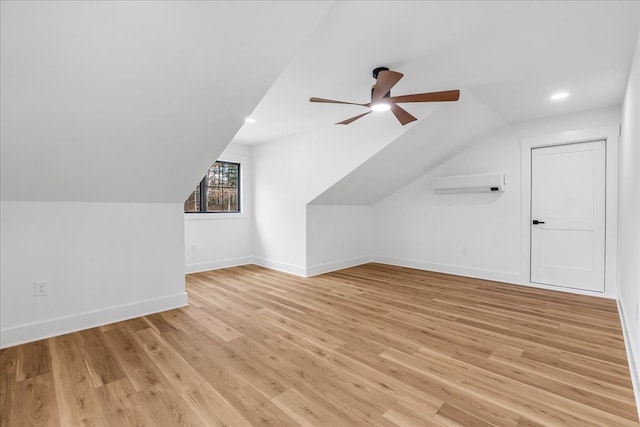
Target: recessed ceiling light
250, 120
381, 107
559, 95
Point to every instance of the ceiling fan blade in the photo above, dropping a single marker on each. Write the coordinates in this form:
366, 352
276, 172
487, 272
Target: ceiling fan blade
331, 101
402, 115
447, 95
386, 80
352, 119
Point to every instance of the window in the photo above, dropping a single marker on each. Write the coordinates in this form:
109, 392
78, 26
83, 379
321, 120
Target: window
219, 190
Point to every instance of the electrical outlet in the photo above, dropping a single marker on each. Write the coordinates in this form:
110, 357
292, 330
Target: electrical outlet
193, 248
465, 250
40, 289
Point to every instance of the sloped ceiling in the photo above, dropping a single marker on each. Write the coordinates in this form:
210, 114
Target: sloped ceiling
440, 135
511, 54
132, 101
508, 57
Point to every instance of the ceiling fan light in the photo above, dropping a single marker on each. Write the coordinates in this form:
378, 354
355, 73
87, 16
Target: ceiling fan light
381, 106
558, 96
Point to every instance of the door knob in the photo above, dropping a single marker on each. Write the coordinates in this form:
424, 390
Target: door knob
536, 222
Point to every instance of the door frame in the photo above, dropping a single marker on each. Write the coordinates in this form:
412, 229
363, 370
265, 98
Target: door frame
610, 135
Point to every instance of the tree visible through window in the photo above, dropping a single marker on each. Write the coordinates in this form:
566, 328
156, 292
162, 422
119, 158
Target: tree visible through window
219, 190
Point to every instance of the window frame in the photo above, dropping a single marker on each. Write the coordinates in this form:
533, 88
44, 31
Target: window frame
203, 214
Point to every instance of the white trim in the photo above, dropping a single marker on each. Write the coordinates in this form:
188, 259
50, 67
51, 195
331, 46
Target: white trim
215, 265
63, 325
338, 265
494, 275
501, 276
633, 369
280, 266
610, 134
213, 216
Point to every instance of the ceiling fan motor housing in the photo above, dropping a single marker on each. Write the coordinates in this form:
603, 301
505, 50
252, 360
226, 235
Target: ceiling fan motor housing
377, 70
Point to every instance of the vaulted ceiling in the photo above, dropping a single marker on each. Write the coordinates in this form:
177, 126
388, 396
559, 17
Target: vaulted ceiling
131, 101
511, 55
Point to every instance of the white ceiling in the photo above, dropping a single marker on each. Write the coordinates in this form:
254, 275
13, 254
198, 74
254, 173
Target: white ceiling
132, 101
512, 55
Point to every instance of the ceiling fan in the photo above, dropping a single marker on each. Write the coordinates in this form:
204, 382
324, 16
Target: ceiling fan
381, 99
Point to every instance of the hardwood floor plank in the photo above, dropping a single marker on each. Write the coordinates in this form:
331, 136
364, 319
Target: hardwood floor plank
454, 417
33, 360
373, 345
602, 372
415, 388
582, 382
482, 381
213, 408
9, 360
258, 409
551, 385
213, 325
140, 369
165, 407
38, 407
198, 352
304, 411
102, 366
317, 336
405, 418
160, 323
76, 396
179, 373
316, 377
116, 404
7, 392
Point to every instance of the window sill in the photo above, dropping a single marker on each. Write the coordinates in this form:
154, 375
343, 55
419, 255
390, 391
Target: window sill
214, 216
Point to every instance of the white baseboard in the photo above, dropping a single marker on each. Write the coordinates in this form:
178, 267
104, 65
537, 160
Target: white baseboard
495, 275
64, 325
280, 266
215, 265
338, 265
499, 276
633, 368
276, 265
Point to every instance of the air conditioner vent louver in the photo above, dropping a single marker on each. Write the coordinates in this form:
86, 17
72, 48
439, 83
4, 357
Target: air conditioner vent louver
483, 183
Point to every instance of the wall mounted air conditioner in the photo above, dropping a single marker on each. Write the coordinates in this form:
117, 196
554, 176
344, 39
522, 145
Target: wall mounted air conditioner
484, 183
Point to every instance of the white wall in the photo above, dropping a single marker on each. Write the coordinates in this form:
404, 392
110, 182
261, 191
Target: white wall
337, 237
218, 240
104, 133
290, 172
415, 227
103, 262
629, 214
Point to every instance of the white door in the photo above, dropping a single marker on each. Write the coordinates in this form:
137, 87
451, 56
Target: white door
568, 215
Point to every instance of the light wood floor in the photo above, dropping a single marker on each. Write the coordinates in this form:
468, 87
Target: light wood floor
371, 345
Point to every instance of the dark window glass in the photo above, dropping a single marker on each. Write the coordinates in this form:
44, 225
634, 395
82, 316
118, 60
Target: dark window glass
219, 190
193, 202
